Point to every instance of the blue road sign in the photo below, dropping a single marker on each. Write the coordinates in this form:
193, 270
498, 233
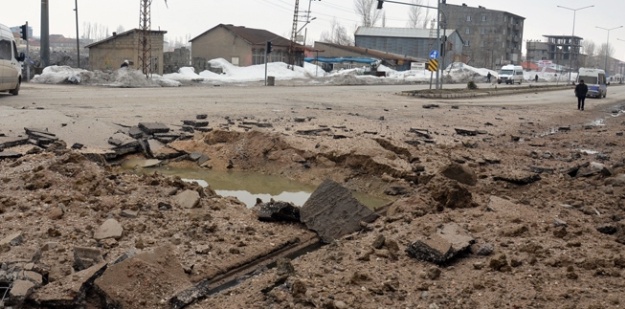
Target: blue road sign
434, 54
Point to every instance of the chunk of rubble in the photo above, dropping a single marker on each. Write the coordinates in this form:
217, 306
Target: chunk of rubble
151, 128
109, 229
448, 243
86, 257
518, 177
333, 212
20, 290
158, 272
8, 142
278, 211
14, 239
69, 292
187, 199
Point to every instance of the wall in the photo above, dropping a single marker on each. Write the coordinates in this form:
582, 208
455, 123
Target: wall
111, 54
221, 43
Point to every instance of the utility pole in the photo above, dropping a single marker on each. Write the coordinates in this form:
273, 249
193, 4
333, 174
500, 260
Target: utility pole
145, 46
77, 36
45, 34
291, 64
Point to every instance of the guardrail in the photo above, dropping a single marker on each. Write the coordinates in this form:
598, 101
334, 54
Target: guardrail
474, 93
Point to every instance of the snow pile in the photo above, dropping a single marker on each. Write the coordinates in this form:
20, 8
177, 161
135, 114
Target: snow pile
124, 78
455, 72
62, 75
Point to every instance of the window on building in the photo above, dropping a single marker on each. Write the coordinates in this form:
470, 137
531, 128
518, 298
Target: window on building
258, 56
505, 19
468, 17
467, 43
483, 17
482, 30
467, 31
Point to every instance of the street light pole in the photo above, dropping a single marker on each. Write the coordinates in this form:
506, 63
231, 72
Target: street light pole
622, 64
77, 37
607, 46
573, 35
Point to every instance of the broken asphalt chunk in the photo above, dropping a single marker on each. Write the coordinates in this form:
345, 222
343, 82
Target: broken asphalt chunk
519, 177
278, 211
153, 127
8, 142
333, 212
442, 247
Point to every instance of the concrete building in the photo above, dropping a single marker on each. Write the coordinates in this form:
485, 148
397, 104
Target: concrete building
412, 42
492, 38
110, 53
241, 46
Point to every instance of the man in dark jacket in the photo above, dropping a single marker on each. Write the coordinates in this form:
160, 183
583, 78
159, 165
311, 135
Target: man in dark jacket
580, 91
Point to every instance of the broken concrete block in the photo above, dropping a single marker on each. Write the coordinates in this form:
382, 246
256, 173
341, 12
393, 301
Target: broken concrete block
153, 127
154, 275
109, 229
278, 211
14, 239
187, 199
446, 244
86, 257
33, 277
333, 212
68, 292
20, 290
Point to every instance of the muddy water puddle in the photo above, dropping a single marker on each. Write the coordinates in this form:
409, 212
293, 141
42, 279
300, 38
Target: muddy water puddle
247, 186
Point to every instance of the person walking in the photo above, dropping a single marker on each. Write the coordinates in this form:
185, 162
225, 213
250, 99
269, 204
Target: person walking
536, 78
580, 91
488, 76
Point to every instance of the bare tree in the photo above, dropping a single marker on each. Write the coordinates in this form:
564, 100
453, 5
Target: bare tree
603, 52
337, 34
414, 14
589, 49
426, 16
368, 12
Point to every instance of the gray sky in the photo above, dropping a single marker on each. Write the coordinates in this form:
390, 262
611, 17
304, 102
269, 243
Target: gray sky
189, 18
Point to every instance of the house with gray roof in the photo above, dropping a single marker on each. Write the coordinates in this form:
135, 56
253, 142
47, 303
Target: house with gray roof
241, 46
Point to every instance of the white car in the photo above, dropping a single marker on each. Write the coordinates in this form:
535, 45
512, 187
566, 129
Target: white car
10, 62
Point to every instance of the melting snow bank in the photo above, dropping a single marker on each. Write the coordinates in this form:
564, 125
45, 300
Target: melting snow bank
122, 78
255, 74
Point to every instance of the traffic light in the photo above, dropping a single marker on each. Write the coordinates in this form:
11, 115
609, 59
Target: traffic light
380, 3
24, 31
269, 47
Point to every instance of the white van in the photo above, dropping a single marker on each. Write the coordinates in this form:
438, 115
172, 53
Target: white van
510, 74
10, 62
595, 80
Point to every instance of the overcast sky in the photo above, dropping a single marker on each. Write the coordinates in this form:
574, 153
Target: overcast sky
189, 18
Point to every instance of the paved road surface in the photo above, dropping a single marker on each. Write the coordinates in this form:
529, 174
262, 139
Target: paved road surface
89, 115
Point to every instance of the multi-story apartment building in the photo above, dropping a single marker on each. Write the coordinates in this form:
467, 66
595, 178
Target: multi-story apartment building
492, 38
